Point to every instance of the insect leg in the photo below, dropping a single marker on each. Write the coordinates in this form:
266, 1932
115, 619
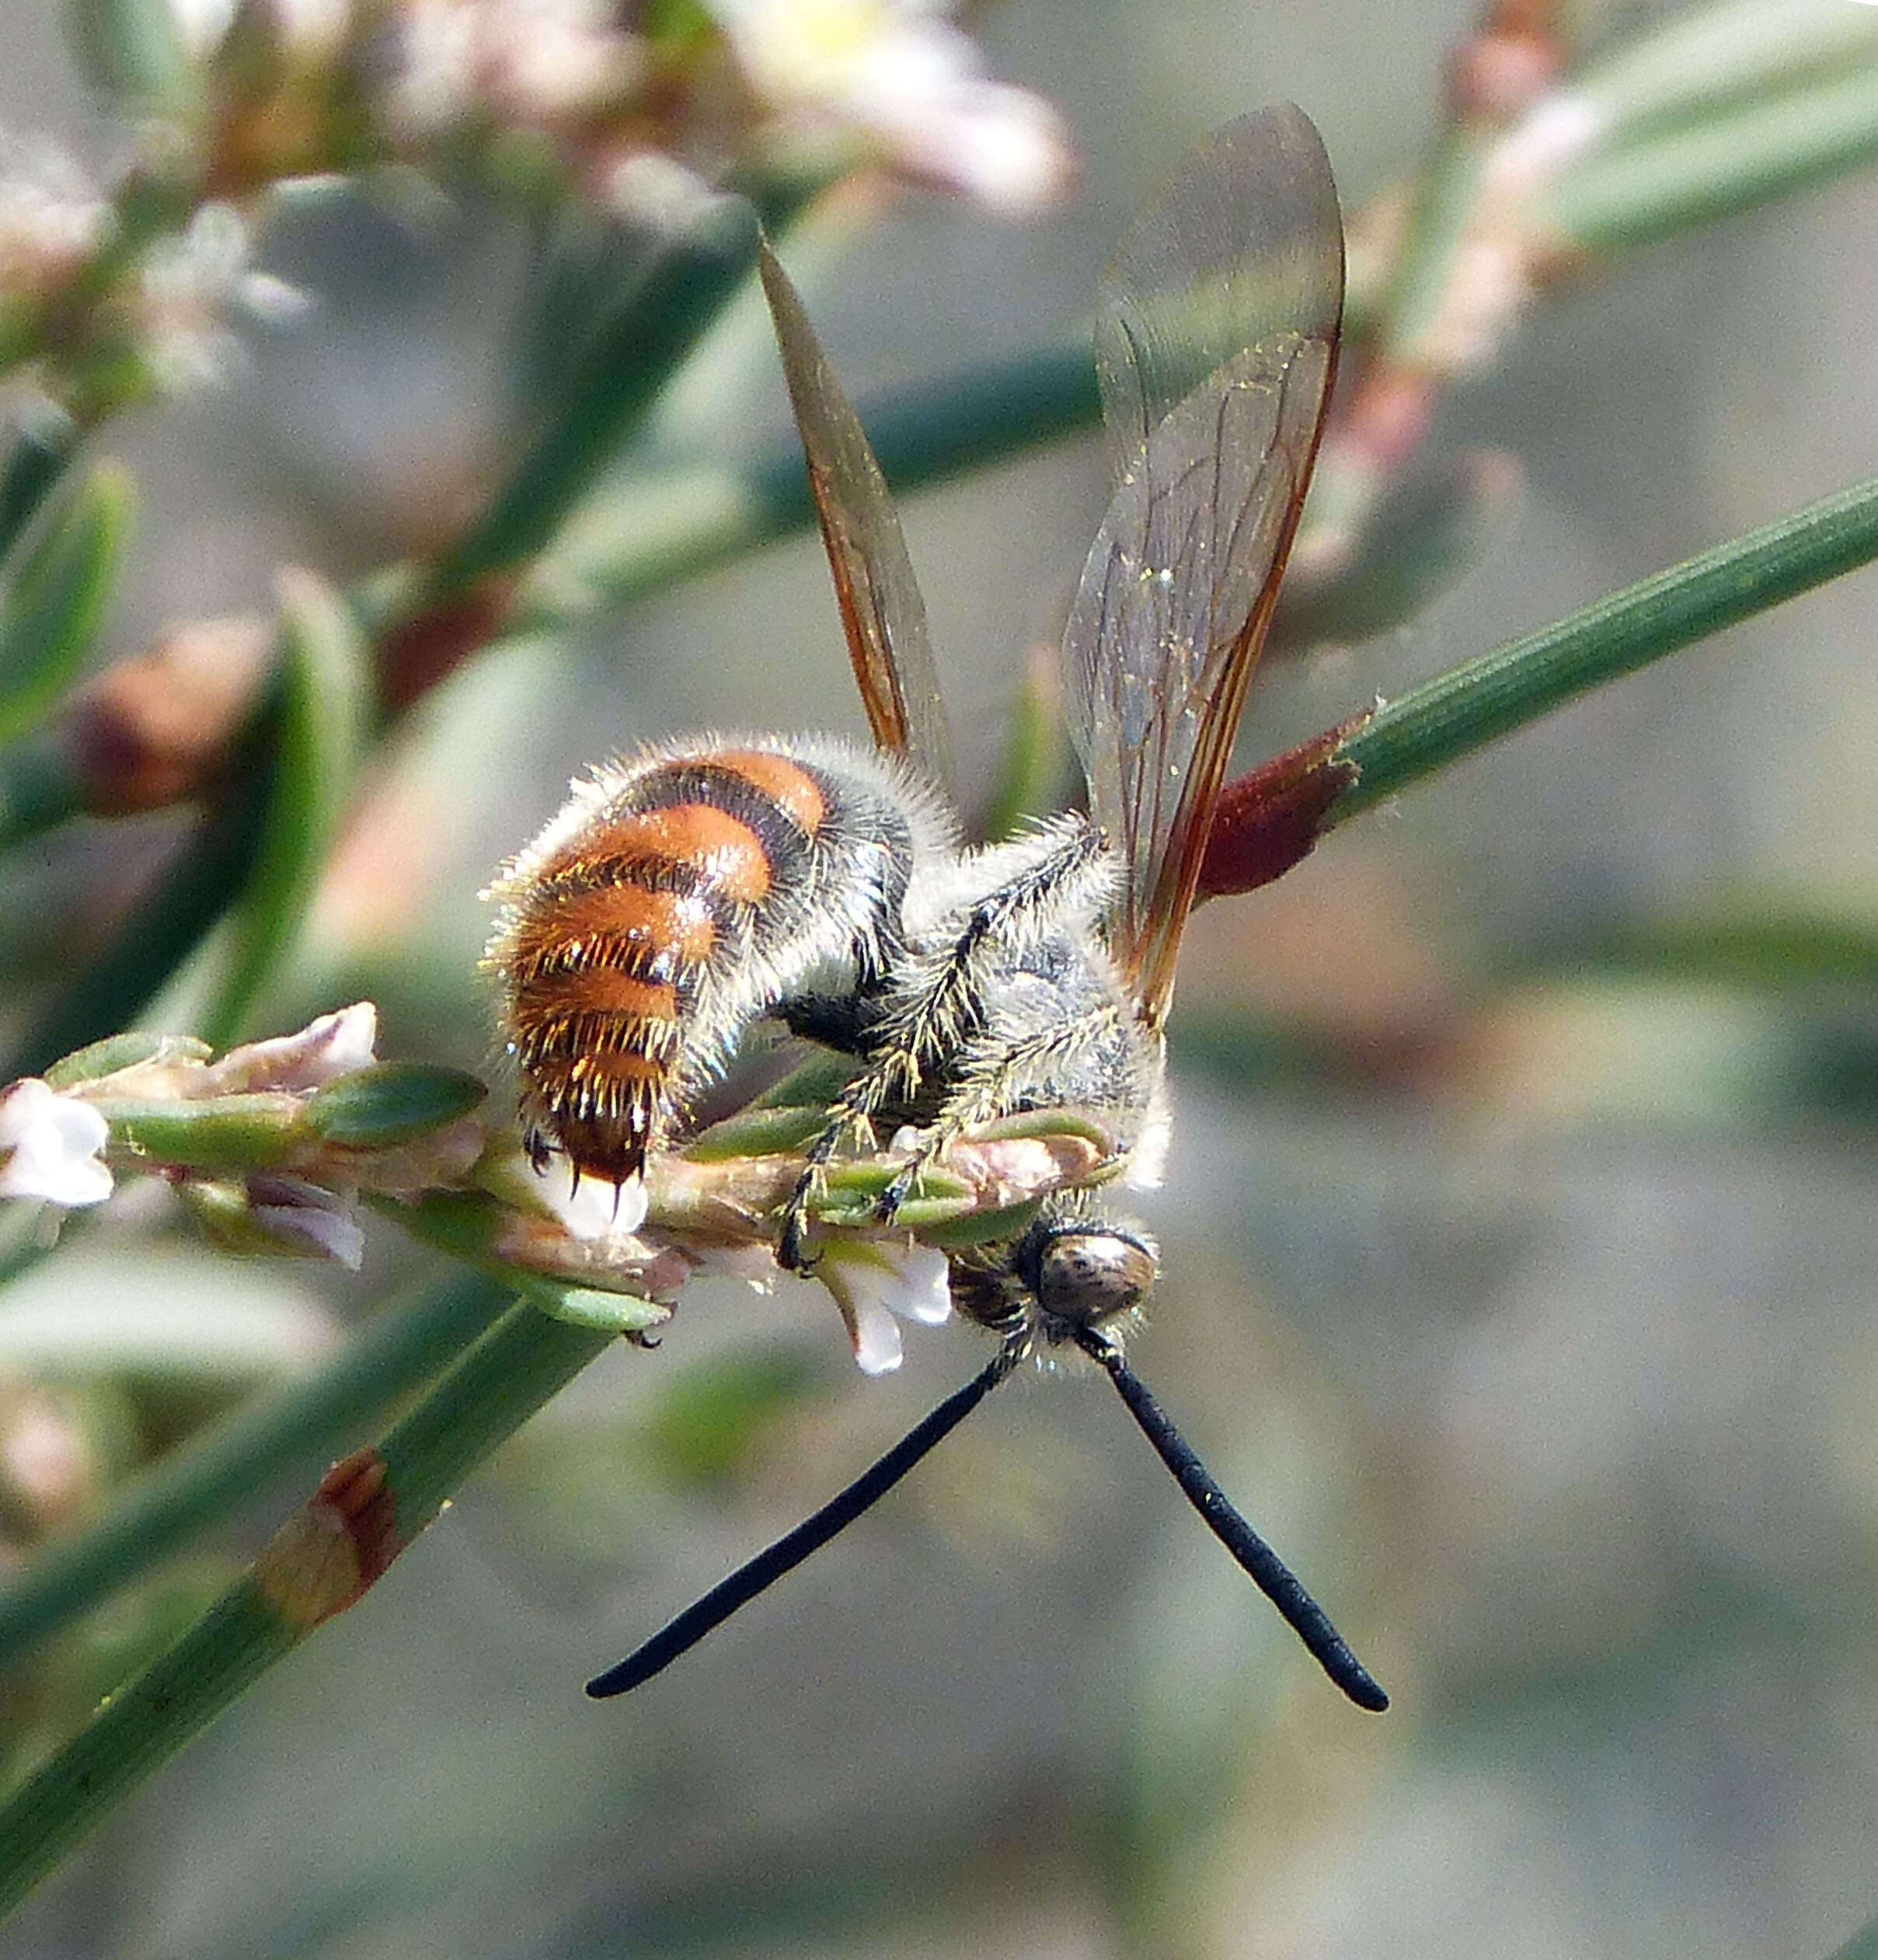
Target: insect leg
935, 1011
994, 1082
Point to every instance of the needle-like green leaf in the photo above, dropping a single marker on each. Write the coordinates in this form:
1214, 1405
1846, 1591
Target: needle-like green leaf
325, 717
56, 602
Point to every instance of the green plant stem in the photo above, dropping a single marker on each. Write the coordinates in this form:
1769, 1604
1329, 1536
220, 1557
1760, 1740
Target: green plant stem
1731, 160
628, 366
293, 1430
1419, 291
1458, 712
136, 1732
43, 445
523, 1361
646, 529
1863, 1945
1690, 64
519, 1363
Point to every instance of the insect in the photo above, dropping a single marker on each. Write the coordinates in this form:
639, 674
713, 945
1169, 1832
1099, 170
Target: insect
683, 895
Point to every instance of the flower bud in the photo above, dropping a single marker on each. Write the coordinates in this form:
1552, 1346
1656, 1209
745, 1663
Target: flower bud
158, 728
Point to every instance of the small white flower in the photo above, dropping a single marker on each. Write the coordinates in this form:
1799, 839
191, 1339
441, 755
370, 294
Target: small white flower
436, 66
815, 51
897, 74
203, 23
872, 1280
514, 61
589, 1208
334, 1044
552, 59
1002, 146
191, 284
51, 1143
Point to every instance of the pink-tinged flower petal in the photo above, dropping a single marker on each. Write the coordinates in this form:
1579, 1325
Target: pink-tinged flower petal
1560, 127
47, 1465
535, 63
334, 1044
53, 1142
1005, 147
898, 74
313, 1222
52, 219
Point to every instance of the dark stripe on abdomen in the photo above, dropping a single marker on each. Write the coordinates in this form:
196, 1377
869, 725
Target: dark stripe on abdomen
605, 957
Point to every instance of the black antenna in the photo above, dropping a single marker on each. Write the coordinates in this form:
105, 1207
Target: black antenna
1263, 1565
789, 1550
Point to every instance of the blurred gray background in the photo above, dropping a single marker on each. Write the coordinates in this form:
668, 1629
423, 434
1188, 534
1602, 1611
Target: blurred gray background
1524, 1294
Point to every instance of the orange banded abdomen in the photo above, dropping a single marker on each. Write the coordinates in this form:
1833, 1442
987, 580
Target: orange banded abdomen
674, 901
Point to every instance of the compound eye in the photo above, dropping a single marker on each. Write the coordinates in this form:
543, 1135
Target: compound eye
1090, 1277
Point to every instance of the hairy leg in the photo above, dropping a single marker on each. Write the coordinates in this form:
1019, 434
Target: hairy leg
933, 1015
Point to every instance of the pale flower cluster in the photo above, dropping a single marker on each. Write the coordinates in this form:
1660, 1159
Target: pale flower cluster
892, 82
176, 304
531, 63
650, 126
52, 1140
189, 287
897, 76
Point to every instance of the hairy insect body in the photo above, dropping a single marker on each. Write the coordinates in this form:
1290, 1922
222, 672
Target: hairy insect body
1008, 1000
678, 898
1061, 1032
1034, 974
675, 899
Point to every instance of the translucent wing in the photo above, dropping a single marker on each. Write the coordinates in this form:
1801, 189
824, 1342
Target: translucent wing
882, 611
1216, 342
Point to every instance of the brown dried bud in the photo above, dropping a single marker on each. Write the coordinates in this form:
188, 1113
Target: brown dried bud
327, 1555
158, 728
49, 1466
433, 644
